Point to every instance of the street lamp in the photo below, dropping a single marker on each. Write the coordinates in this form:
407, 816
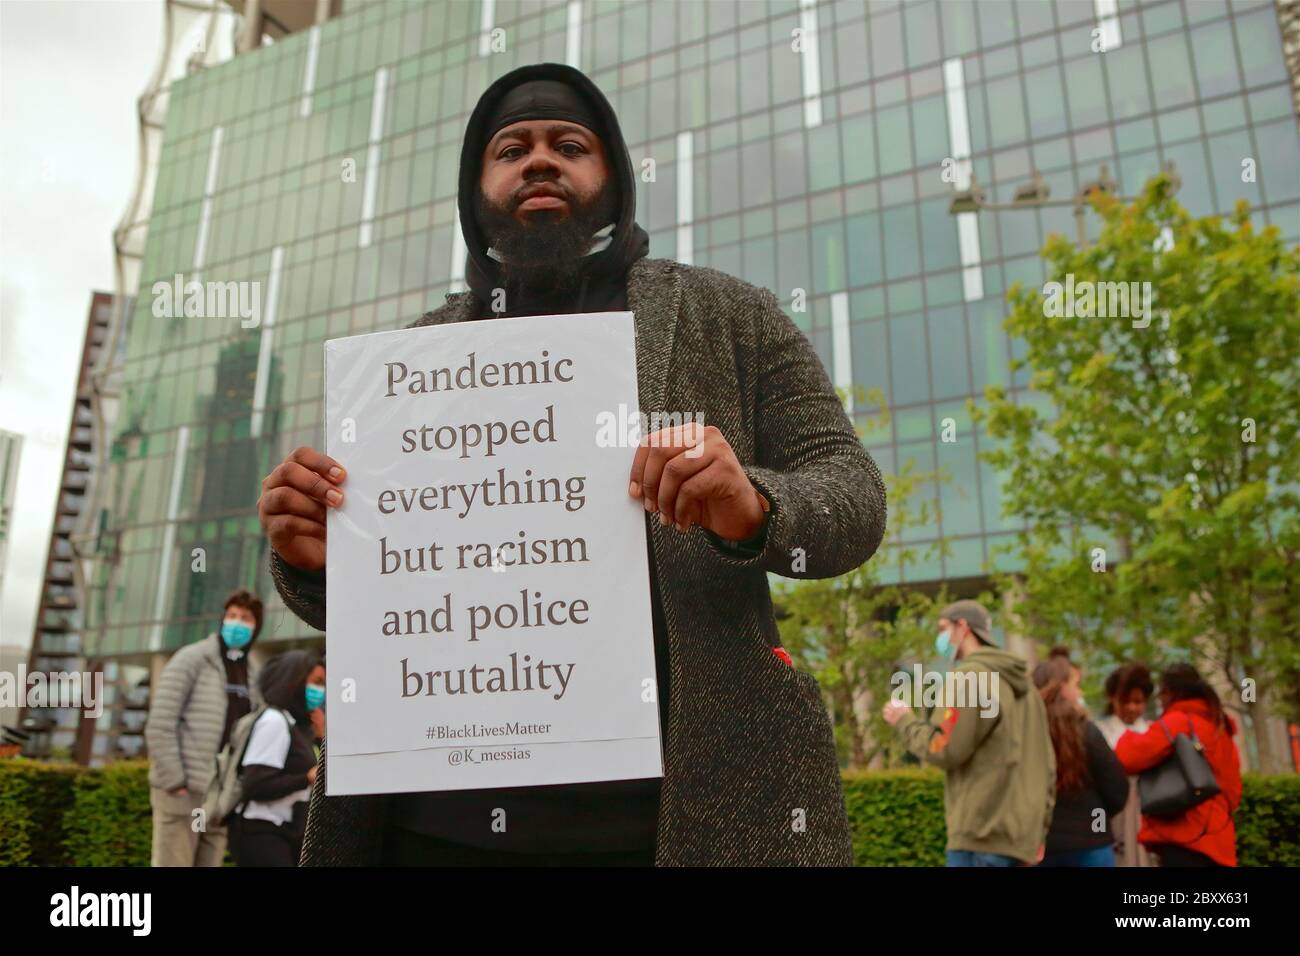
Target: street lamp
1102, 184
967, 200
1034, 194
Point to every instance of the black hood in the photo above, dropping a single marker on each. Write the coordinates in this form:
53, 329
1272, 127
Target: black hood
605, 270
283, 681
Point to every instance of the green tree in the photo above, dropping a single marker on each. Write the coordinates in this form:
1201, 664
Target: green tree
851, 632
1167, 439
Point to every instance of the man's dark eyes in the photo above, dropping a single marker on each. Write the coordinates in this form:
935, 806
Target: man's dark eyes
569, 149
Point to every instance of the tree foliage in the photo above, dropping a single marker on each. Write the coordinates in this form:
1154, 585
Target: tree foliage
853, 631
1169, 441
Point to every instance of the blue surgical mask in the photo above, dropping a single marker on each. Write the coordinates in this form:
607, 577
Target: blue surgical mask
944, 646
236, 634
315, 696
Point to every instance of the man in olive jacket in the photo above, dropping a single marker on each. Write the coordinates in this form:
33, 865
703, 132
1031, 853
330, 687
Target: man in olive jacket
993, 743
751, 775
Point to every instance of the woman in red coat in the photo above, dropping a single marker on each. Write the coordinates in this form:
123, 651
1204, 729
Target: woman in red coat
1205, 834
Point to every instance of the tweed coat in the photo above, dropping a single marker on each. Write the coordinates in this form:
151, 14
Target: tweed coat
750, 769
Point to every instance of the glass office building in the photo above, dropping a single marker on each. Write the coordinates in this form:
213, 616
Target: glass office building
799, 145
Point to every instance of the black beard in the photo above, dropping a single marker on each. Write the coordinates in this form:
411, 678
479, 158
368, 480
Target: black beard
544, 256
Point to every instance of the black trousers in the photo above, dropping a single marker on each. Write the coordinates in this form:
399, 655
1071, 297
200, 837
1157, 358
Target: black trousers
262, 843
408, 848
1171, 854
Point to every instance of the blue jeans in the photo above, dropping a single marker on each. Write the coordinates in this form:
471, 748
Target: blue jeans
971, 858
1097, 856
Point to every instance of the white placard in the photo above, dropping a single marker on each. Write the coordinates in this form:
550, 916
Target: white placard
488, 616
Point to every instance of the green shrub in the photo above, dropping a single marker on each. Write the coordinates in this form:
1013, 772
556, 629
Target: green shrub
1268, 820
33, 798
896, 817
62, 815
110, 822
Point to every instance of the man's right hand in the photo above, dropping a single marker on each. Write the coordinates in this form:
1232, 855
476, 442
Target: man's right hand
292, 506
893, 712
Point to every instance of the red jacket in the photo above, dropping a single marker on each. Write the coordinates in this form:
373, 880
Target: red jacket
1207, 827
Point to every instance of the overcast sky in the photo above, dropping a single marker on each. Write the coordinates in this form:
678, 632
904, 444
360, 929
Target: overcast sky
70, 74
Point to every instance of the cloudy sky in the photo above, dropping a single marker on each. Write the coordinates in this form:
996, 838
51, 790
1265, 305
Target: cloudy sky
70, 73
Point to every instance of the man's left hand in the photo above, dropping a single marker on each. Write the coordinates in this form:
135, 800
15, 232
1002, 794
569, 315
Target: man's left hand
690, 475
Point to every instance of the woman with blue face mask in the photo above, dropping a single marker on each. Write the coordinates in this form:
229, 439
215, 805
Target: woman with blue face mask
315, 694
279, 763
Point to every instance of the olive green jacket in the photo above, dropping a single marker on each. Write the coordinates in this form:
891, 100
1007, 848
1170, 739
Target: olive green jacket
999, 785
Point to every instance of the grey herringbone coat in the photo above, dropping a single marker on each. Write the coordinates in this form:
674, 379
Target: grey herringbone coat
750, 776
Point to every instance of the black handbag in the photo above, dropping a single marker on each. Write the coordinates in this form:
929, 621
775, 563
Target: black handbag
1184, 780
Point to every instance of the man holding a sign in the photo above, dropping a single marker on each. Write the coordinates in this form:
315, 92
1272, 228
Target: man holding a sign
470, 468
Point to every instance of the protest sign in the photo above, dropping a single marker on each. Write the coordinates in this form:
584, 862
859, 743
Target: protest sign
488, 611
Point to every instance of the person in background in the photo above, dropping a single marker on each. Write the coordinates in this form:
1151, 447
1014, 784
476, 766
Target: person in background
1128, 688
1075, 689
316, 692
1088, 777
1205, 834
202, 692
279, 764
999, 768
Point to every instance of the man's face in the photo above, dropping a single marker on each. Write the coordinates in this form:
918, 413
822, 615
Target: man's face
243, 615
957, 632
543, 170
544, 189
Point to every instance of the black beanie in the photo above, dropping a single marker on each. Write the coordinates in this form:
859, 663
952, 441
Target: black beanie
543, 99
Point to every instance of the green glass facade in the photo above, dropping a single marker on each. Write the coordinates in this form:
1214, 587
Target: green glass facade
324, 167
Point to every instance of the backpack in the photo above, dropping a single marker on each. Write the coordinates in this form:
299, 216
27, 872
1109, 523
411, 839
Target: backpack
225, 796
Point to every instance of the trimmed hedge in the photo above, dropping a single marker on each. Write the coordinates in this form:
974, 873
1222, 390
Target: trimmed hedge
63, 814
33, 799
110, 822
896, 817
1268, 820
